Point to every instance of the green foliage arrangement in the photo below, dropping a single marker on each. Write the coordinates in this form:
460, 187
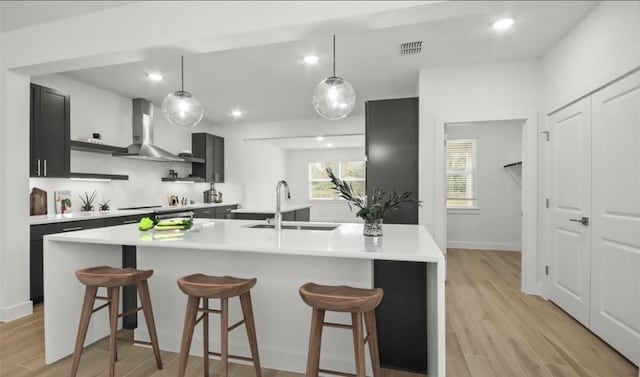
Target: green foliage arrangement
87, 201
104, 206
380, 203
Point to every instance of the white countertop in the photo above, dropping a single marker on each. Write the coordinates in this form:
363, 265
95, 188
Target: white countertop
287, 208
400, 242
78, 216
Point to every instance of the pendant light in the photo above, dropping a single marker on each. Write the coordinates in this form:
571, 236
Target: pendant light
180, 108
334, 98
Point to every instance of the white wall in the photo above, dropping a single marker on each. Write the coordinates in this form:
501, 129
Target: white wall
97, 110
298, 178
602, 47
264, 167
484, 92
496, 224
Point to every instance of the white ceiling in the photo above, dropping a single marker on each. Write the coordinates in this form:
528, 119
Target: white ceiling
19, 14
323, 142
270, 82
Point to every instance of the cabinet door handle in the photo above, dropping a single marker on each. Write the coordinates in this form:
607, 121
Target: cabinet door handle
130, 221
38, 167
206, 211
72, 228
45, 168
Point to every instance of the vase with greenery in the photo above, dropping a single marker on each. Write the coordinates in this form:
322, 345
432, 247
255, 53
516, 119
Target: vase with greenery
65, 204
87, 201
372, 210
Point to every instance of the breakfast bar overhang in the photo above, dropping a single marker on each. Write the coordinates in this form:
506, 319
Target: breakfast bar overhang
282, 261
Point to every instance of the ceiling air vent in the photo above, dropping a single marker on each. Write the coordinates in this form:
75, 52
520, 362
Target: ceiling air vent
411, 48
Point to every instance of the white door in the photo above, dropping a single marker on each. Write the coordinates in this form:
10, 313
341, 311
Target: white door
570, 184
615, 272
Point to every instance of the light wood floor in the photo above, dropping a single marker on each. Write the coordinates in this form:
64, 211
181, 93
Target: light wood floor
492, 330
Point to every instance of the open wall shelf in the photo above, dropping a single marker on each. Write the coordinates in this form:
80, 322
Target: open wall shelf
95, 148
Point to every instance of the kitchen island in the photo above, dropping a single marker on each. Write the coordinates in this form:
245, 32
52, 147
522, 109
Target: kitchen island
281, 261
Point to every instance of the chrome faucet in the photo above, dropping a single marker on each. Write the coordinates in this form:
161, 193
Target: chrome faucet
278, 216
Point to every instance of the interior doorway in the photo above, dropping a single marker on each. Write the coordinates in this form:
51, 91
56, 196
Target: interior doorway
483, 185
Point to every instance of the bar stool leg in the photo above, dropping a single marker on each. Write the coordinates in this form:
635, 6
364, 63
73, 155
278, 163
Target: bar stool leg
358, 343
315, 341
247, 312
145, 298
187, 333
85, 317
111, 303
205, 341
224, 335
372, 333
114, 294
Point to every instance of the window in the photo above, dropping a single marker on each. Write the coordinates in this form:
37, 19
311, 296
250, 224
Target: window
320, 186
461, 173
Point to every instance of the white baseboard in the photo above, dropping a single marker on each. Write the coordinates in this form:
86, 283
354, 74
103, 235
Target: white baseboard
484, 245
11, 313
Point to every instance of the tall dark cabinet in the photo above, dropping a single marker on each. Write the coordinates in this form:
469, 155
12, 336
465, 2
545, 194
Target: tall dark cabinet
49, 129
392, 151
210, 148
392, 164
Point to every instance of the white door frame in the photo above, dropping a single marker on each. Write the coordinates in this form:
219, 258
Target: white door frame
531, 273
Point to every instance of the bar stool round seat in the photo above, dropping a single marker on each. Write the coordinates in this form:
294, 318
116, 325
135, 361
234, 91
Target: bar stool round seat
109, 277
360, 302
200, 288
340, 298
113, 279
200, 285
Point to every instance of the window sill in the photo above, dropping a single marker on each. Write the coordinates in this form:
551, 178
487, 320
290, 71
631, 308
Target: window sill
464, 210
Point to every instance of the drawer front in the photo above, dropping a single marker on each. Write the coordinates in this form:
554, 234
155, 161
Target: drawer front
39, 231
113, 221
205, 213
224, 212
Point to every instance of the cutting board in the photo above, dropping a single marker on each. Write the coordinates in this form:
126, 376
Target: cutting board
38, 199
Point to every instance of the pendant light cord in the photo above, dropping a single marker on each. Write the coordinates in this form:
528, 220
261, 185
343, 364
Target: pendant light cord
182, 70
334, 55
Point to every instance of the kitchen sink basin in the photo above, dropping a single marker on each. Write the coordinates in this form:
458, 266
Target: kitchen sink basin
327, 227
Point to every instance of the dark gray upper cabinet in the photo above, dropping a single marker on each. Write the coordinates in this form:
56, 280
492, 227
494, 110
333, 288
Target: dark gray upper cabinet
211, 149
392, 152
49, 129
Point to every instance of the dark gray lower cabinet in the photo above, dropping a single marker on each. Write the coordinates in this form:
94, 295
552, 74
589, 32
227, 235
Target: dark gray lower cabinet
218, 212
36, 268
297, 215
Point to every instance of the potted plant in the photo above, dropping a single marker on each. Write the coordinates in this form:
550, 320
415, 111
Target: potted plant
87, 201
65, 204
104, 206
372, 211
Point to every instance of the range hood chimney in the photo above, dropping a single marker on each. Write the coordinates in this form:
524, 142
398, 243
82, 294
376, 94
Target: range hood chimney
143, 147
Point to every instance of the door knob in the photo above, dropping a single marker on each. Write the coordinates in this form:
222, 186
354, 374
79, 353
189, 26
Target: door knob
583, 220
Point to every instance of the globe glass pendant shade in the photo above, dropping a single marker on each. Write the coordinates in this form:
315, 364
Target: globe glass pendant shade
333, 98
181, 109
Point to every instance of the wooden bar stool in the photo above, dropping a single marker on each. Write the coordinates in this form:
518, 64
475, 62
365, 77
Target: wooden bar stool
199, 286
112, 279
358, 302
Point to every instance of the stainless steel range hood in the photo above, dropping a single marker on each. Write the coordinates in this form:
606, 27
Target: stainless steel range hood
143, 147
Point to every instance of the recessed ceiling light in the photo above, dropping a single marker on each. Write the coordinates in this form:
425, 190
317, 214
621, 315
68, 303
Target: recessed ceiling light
319, 138
155, 76
503, 24
236, 113
329, 145
311, 59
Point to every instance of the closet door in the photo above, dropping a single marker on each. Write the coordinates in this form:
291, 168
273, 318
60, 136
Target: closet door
570, 170
615, 306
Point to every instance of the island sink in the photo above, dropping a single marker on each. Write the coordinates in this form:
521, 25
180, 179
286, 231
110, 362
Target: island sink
295, 227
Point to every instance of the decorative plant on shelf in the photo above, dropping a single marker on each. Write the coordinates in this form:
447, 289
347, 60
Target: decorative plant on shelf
372, 211
104, 206
65, 204
87, 201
